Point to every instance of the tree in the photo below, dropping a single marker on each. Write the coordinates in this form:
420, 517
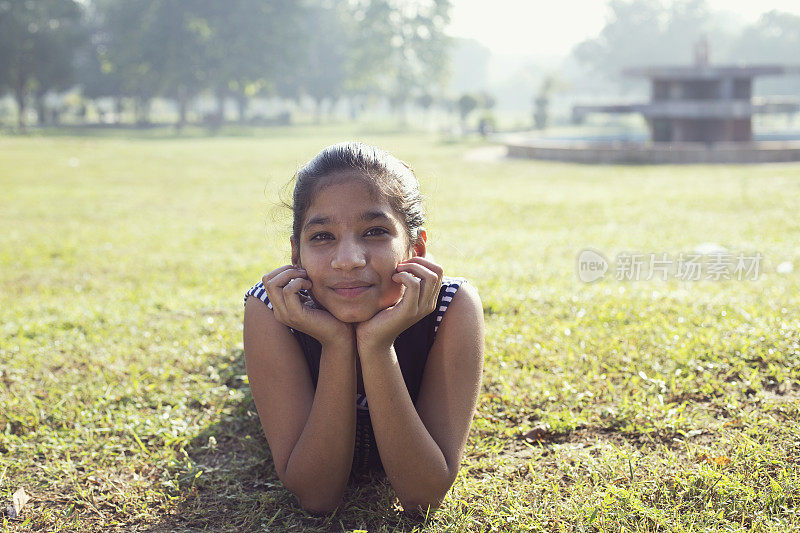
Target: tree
774, 38
466, 105
37, 42
177, 50
250, 47
645, 32
128, 48
541, 102
402, 50
486, 100
470, 66
97, 74
425, 101
325, 68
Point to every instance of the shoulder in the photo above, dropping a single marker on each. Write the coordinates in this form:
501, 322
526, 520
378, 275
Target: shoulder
260, 324
456, 290
460, 309
259, 292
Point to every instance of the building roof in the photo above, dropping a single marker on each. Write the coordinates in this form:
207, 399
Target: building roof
719, 109
712, 71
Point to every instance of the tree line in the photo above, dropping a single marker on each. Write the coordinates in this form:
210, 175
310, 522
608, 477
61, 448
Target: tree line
134, 51
652, 32
138, 50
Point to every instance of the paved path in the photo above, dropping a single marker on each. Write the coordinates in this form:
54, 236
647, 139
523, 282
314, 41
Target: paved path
486, 154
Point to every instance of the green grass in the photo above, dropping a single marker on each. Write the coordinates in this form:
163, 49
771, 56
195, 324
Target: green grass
650, 405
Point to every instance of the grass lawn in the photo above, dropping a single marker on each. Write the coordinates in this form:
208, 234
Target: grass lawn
648, 405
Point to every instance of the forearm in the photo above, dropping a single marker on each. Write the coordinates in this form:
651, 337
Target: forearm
320, 462
414, 463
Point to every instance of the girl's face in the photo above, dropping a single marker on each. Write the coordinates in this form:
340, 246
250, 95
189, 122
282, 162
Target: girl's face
350, 244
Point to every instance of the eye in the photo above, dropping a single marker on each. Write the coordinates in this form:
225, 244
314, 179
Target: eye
321, 236
376, 232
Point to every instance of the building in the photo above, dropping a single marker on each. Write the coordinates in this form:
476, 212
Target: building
701, 103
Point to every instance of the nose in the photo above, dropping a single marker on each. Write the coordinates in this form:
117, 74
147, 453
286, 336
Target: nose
349, 254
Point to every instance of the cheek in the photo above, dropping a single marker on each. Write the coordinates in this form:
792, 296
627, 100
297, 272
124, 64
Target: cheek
392, 292
313, 263
316, 280
392, 295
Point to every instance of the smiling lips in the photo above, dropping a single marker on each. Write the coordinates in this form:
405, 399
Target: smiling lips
350, 290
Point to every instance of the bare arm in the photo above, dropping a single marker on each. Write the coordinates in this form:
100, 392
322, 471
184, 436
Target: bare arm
421, 448
311, 433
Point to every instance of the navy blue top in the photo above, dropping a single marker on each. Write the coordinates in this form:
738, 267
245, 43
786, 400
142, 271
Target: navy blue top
411, 346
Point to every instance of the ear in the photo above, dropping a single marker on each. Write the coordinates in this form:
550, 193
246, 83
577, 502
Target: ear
295, 252
420, 244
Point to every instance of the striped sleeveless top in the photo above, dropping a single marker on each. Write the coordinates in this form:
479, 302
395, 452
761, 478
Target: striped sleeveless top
411, 346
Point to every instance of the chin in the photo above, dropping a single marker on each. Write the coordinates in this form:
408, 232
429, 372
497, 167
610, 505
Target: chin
353, 316
355, 312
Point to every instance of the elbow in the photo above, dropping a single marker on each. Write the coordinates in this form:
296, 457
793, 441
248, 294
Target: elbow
422, 505
312, 496
319, 506
427, 501
316, 500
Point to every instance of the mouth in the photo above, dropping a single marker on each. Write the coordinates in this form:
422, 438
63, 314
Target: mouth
350, 290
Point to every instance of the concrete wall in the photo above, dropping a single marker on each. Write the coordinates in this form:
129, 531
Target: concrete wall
675, 153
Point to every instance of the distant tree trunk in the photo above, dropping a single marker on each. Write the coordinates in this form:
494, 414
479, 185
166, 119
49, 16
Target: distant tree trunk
118, 109
82, 111
401, 113
540, 113
183, 99
19, 96
398, 104
317, 110
41, 109
242, 102
142, 111
354, 108
332, 106
221, 106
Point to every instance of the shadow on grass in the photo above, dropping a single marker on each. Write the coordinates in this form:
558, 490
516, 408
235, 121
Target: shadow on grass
168, 131
233, 485
155, 131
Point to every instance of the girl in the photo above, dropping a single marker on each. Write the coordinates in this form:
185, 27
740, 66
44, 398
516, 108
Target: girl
361, 354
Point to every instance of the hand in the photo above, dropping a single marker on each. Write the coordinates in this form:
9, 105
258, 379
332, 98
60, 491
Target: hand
300, 312
422, 279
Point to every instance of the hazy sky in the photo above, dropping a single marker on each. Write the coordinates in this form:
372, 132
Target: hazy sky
552, 27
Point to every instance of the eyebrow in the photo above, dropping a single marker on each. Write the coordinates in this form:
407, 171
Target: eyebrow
366, 216
318, 221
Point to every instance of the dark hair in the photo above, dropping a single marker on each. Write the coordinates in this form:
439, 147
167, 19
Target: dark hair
378, 169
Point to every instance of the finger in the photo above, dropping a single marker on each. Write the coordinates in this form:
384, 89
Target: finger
430, 283
420, 271
291, 296
412, 285
274, 287
282, 278
427, 263
275, 272
275, 298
